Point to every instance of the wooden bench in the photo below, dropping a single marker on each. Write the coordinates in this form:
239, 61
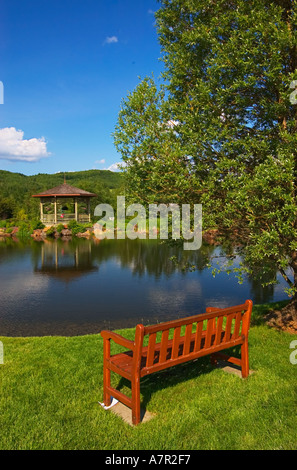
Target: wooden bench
172, 343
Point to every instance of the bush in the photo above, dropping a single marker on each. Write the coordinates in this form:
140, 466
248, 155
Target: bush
59, 228
11, 223
37, 225
25, 229
51, 231
75, 227
22, 215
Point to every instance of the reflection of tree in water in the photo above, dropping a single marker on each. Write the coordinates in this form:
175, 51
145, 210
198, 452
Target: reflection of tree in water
261, 278
150, 256
262, 282
153, 257
16, 249
261, 294
141, 257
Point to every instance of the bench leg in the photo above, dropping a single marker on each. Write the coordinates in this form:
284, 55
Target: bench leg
135, 386
106, 373
245, 360
213, 359
106, 383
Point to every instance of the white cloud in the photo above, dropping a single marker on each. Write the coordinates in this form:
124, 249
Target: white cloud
111, 40
13, 146
114, 167
100, 161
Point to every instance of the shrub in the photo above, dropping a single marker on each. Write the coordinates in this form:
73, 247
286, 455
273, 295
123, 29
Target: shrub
51, 231
75, 227
59, 228
25, 229
37, 225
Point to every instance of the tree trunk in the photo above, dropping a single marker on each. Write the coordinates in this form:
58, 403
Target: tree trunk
285, 318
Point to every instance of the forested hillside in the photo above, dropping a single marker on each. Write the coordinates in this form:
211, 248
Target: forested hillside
16, 189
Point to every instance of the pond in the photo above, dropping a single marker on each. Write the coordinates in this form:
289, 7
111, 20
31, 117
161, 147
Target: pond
81, 286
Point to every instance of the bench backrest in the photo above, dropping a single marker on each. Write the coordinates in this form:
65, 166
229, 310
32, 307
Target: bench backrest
178, 341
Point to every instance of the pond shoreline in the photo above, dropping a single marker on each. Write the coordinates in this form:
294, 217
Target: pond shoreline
64, 232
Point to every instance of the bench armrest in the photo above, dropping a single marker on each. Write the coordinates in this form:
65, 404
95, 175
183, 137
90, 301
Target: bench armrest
108, 335
212, 309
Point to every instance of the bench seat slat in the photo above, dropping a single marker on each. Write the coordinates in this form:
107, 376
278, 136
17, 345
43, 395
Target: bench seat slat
120, 365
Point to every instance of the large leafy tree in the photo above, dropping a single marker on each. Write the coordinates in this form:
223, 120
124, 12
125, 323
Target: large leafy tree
232, 142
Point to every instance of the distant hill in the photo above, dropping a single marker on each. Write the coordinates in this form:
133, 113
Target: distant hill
16, 189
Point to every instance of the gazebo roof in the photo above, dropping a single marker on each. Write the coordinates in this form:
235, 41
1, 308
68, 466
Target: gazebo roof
64, 190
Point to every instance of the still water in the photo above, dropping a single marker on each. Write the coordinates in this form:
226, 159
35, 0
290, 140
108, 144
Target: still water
80, 286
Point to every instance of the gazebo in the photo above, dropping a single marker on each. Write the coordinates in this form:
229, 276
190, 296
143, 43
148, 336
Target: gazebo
63, 204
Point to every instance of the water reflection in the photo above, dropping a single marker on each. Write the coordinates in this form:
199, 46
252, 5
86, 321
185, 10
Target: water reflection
80, 286
64, 261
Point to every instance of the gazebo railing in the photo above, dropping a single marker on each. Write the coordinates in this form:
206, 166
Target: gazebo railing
50, 218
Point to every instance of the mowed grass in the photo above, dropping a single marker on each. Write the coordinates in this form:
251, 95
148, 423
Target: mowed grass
51, 386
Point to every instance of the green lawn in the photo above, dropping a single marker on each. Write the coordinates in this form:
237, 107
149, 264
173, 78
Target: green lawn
50, 388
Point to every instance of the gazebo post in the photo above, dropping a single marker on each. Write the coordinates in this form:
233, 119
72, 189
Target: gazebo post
55, 204
56, 256
41, 211
75, 209
89, 209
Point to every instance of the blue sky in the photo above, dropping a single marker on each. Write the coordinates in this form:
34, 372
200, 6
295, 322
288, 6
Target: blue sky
65, 66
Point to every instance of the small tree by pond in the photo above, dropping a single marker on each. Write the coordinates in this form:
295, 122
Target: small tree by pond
221, 128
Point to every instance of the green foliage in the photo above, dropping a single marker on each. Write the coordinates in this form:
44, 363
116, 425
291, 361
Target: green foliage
21, 215
37, 225
51, 231
232, 145
76, 227
7, 207
158, 170
16, 190
59, 228
25, 229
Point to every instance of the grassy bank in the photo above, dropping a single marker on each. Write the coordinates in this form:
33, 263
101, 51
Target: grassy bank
50, 388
